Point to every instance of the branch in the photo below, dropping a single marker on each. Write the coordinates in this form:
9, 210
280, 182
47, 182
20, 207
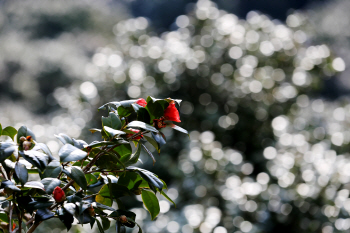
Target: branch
10, 217
33, 227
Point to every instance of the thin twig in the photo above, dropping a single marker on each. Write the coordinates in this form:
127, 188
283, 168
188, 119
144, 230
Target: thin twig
10, 217
33, 227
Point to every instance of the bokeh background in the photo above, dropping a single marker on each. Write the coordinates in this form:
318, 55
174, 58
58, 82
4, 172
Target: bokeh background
265, 89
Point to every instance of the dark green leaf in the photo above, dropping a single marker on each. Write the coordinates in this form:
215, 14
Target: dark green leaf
70, 153
142, 125
125, 111
132, 180
7, 184
119, 190
178, 128
53, 169
6, 150
99, 226
21, 172
70, 208
34, 184
166, 196
143, 115
105, 223
65, 139
36, 158
9, 131
151, 202
79, 143
133, 221
130, 215
112, 121
99, 144
91, 179
65, 217
113, 132
43, 214
134, 157
99, 205
103, 200
153, 181
45, 149
76, 174
50, 184
39, 204
24, 131
74, 198
4, 217
0, 129
149, 153
156, 107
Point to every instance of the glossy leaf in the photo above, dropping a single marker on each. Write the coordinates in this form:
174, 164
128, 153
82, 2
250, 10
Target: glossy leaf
21, 172
105, 207
94, 130
4, 217
64, 138
134, 157
142, 125
105, 223
76, 174
36, 158
153, 181
43, 214
168, 198
70, 153
45, 149
113, 132
24, 131
66, 218
99, 226
50, 184
70, 208
39, 204
149, 153
7, 184
79, 143
119, 190
6, 150
74, 198
53, 169
90, 179
151, 202
112, 121
178, 128
34, 184
9, 131
99, 144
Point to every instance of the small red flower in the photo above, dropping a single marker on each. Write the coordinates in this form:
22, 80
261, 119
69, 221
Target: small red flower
13, 226
171, 113
59, 195
135, 131
141, 102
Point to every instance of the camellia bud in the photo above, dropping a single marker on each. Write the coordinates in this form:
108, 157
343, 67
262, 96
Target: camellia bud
171, 113
142, 102
123, 219
135, 131
91, 211
26, 145
22, 139
59, 195
137, 191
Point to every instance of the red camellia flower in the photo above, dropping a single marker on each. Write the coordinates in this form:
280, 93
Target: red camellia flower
59, 195
141, 102
135, 131
171, 113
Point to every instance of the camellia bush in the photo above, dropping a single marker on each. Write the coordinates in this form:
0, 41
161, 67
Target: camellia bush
88, 177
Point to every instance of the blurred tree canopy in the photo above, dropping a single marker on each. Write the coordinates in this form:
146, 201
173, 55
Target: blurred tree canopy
267, 152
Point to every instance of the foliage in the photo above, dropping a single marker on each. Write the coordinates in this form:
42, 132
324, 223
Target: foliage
88, 177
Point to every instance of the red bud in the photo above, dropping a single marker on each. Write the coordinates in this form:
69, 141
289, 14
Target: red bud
59, 195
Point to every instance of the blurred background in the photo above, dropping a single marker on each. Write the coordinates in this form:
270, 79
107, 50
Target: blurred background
265, 89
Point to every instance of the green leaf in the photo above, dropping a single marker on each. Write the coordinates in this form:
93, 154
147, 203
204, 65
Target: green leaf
103, 200
34, 184
0, 130
156, 107
6, 150
36, 158
9, 131
43, 214
7, 184
105, 223
143, 115
166, 196
39, 204
113, 132
91, 179
64, 138
153, 181
142, 125
77, 175
119, 190
4, 217
74, 198
70, 208
50, 184
149, 153
101, 206
24, 131
133, 221
112, 121
99, 226
134, 157
70, 153
178, 128
130, 215
95, 144
151, 202
53, 169
132, 180
45, 149
21, 172
94, 130
65, 217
